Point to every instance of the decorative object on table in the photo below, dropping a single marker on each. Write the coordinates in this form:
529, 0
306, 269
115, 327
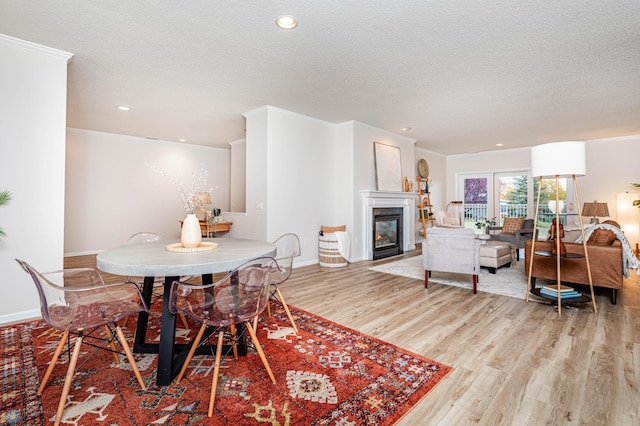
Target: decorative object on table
596, 210
192, 200
388, 167
310, 388
191, 233
565, 293
5, 197
483, 224
203, 246
557, 232
215, 219
555, 160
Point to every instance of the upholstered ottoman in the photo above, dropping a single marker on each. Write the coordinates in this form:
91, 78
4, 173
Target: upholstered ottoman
495, 254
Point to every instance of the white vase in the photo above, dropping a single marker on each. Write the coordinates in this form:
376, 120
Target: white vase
191, 235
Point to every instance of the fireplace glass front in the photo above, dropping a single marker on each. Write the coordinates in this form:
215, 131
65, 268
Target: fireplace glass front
387, 232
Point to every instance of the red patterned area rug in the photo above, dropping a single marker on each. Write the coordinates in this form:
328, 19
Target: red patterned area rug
326, 374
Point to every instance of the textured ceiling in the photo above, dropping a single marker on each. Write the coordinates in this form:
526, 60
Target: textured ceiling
464, 75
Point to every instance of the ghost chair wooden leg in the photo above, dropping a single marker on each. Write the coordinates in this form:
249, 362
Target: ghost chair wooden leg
112, 344
238, 298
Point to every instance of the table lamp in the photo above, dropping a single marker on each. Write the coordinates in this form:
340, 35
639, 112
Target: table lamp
203, 199
596, 210
556, 160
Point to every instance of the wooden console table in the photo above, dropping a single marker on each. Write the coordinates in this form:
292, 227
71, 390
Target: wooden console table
210, 229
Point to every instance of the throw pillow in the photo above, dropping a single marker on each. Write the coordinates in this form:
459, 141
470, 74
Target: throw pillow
602, 237
511, 225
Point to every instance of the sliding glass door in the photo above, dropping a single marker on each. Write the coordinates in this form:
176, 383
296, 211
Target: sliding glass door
512, 195
495, 196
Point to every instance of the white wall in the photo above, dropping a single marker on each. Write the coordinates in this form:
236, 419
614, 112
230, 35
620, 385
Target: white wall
112, 194
314, 172
33, 87
612, 165
238, 176
364, 173
289, 164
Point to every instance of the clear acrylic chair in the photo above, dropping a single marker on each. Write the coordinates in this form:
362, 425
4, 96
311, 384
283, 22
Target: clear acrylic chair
158, 282
77, 301
287, 247
235, 299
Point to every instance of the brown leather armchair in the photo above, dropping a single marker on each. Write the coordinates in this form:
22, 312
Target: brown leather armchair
605, 263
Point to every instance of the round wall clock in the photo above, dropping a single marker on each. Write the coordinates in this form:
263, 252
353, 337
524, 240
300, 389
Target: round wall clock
423, 168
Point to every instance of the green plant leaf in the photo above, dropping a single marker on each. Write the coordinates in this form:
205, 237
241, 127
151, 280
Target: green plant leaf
5, 197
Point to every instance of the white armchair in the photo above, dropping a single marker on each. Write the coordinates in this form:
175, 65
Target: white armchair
451, 250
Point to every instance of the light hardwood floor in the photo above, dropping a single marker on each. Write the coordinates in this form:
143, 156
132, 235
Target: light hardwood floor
516, 363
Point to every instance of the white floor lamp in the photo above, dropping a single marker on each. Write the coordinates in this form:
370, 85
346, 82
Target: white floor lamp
556, 160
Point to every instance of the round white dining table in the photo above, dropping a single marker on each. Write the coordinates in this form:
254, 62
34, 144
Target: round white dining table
151, 260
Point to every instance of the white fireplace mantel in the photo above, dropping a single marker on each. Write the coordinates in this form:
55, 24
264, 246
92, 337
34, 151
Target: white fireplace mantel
395, 199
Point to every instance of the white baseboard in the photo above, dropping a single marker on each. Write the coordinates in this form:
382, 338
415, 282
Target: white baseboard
20, 317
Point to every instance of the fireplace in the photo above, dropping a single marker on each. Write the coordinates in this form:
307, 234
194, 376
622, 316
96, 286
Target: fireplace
387, 232
405, 201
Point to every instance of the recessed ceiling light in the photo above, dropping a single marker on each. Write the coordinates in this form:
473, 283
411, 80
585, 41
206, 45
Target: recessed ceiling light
286, 22
123, 108
499, 144
406, 129
182, 140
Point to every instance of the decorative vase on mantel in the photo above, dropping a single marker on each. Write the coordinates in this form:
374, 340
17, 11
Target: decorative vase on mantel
191, 235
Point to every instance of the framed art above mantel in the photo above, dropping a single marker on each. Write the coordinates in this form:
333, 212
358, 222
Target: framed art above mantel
388, 167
